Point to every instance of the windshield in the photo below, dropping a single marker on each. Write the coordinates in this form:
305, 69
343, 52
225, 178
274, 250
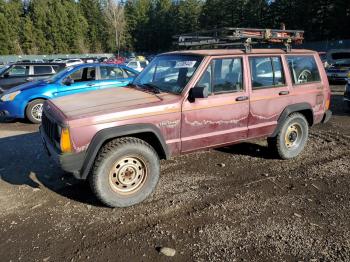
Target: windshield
169, 73
58, 76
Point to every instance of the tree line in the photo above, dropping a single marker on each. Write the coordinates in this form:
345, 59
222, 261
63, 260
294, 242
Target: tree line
95, 26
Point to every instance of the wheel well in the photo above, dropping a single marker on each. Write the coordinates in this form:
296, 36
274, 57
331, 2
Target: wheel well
148, 137
308, 115
37, 98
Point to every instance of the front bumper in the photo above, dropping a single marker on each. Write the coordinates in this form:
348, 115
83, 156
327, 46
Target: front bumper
10, 110
327, 116
69, 162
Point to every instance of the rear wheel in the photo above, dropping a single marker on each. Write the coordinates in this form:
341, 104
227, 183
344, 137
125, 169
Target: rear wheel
34, 111
125, 173
292, 137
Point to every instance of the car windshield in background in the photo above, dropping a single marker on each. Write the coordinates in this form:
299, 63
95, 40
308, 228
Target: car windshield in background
169, 73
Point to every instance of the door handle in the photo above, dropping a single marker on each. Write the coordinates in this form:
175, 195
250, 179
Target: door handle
242, 98
30, 79
90, 84
283, 93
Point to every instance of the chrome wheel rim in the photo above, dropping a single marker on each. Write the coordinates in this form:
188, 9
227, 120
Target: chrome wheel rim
37, 111
293, 136
128, 175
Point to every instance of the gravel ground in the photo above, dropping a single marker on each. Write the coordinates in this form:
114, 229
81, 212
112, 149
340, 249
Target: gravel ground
232, 204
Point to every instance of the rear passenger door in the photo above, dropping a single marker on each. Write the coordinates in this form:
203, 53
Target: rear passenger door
270, 93
222, 117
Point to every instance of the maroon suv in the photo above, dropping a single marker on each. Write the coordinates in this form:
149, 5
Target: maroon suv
183, 102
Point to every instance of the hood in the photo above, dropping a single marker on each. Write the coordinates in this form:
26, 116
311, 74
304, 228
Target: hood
109, 103
26, 86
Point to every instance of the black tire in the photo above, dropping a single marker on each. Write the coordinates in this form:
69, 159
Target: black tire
31, 113
106, 178
283, 144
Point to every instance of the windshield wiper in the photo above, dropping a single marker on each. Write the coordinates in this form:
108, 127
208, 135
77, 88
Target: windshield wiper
153, 87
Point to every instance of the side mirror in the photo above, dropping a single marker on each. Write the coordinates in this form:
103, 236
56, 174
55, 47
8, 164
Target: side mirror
6, 75
68, 81
198, 92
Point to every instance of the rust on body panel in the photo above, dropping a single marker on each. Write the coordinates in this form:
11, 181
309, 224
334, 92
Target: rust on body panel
188, 126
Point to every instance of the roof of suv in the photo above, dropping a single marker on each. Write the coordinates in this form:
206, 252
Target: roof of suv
218, 52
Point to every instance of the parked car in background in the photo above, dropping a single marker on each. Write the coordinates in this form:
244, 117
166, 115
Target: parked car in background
74, 61
339, 70
19, 73
26, 101
347, 91
115, 60
137, 65
199, 99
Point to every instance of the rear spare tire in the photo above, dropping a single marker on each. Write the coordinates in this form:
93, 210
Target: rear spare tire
126, 171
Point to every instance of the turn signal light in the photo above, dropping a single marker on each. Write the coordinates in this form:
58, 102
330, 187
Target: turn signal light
66, 145
328, 102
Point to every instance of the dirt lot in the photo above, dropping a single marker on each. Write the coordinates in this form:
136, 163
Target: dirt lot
232, 204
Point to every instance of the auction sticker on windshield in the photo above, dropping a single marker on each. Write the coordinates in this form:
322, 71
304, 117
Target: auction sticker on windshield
185, 64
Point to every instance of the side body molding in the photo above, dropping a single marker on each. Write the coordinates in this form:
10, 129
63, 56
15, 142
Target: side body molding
291, 109
114, 132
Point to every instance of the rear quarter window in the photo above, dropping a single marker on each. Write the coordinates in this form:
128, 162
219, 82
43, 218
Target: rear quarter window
303, 69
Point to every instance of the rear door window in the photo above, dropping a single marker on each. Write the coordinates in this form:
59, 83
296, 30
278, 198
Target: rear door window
303, 69
42, 70
266, 72
109, 72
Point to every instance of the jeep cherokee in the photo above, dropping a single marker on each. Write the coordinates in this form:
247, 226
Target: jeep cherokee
183, 102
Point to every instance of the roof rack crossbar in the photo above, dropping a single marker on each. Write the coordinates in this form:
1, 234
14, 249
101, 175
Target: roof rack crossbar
243, 36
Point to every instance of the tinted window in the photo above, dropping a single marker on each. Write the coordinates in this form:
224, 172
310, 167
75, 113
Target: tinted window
227, 75
303, 69
266, 72
108, 72
42, 70
84, 74
18, 70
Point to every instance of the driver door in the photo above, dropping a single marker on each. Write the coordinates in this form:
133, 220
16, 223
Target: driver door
222, 117
84, 80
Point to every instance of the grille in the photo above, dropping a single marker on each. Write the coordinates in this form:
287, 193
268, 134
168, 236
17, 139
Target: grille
50, 128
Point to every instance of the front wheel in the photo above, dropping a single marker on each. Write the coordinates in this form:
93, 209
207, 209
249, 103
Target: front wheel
126, 171
34, 111
291, 138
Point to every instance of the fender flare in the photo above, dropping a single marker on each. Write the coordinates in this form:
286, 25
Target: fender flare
114, 132
289, 110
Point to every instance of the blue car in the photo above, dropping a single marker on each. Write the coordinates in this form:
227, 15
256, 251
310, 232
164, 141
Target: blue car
26, 100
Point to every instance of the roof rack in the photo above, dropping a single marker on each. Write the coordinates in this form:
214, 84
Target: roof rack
231, 36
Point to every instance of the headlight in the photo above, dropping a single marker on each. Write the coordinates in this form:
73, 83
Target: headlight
10, 96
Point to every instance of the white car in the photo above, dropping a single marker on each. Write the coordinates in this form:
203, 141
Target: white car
137, 65
74, 61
